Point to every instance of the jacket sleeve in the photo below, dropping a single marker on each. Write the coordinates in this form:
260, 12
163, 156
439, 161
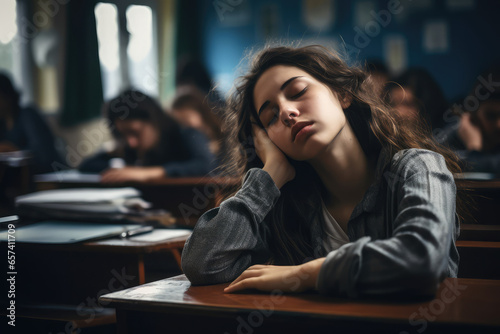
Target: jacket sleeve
200, 162
416, 257
229, 239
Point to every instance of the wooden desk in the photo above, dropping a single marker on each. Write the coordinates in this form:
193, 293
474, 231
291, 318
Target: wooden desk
46, 318
479, 259
478, 232
186, 198
15, 179
486, 197
172, 305
75, 272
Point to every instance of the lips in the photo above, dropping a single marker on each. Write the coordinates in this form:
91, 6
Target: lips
297, 127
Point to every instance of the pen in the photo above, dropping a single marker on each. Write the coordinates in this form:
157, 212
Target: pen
137, 231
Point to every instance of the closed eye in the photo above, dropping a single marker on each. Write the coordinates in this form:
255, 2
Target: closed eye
302, 92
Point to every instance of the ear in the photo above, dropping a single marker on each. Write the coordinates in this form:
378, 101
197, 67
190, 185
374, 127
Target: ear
345, 101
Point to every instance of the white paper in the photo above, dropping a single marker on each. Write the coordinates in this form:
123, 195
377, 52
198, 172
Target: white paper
159, 235
68, 176
79, 195
395, 53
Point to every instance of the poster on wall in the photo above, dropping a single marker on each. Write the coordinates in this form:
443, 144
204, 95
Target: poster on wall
411, 7
318, 15
436, 37
460, 4
362, 12
233, 13
270, 21
395, 53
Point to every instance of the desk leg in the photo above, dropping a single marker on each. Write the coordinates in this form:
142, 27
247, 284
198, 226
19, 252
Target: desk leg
140, 269
177, 256
121, 322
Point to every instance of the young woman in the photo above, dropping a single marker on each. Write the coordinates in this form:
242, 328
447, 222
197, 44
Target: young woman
193, 109
415, 94
151, 143
25, 129
336, 195
476, 135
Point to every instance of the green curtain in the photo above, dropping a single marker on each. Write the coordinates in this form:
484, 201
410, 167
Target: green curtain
83, 94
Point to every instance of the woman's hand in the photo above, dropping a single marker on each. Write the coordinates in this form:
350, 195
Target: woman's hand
139, 174
284, 278
275, 161
470, 133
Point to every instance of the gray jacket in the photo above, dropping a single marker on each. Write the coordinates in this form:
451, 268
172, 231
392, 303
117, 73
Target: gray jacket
402, 234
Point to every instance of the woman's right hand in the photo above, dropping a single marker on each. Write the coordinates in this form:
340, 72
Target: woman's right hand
275, 161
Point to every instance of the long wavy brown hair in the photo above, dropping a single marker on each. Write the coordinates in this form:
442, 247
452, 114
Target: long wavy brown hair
373, 122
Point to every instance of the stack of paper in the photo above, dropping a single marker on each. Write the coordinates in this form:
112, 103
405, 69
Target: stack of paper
82, 203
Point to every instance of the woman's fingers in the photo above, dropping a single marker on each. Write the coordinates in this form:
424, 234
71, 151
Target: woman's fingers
250, 272
248, 283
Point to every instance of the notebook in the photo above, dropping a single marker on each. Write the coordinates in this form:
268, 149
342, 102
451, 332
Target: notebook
64, 232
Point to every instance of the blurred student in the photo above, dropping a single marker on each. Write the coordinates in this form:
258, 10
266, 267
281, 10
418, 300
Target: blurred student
192, 72
150, 142
415, 93
192, 109
24, 129
476, 136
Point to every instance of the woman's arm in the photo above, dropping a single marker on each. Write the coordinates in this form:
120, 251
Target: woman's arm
413, 261
229, 239
417, 256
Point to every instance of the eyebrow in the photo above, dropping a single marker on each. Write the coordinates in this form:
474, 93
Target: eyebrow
283, 86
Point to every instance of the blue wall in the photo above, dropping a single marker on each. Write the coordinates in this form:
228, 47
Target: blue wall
473, 33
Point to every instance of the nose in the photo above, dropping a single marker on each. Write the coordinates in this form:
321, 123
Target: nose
289, 115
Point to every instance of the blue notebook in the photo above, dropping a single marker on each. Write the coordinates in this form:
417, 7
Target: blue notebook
61, 232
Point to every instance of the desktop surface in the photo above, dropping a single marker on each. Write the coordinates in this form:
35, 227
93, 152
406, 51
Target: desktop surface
460, 304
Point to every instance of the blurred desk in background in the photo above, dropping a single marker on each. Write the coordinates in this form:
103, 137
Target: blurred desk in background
58, 285
76, 271
486, 199
185, 198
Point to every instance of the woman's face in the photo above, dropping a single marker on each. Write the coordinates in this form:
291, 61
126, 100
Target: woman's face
140, 135
188, 117
404, 102
488, 120
302, 116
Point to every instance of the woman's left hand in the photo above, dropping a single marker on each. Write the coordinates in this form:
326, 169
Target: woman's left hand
284, 278
139, 174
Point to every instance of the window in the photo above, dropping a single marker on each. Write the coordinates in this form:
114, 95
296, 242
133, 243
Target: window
127, 48
107, 35
8, 32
